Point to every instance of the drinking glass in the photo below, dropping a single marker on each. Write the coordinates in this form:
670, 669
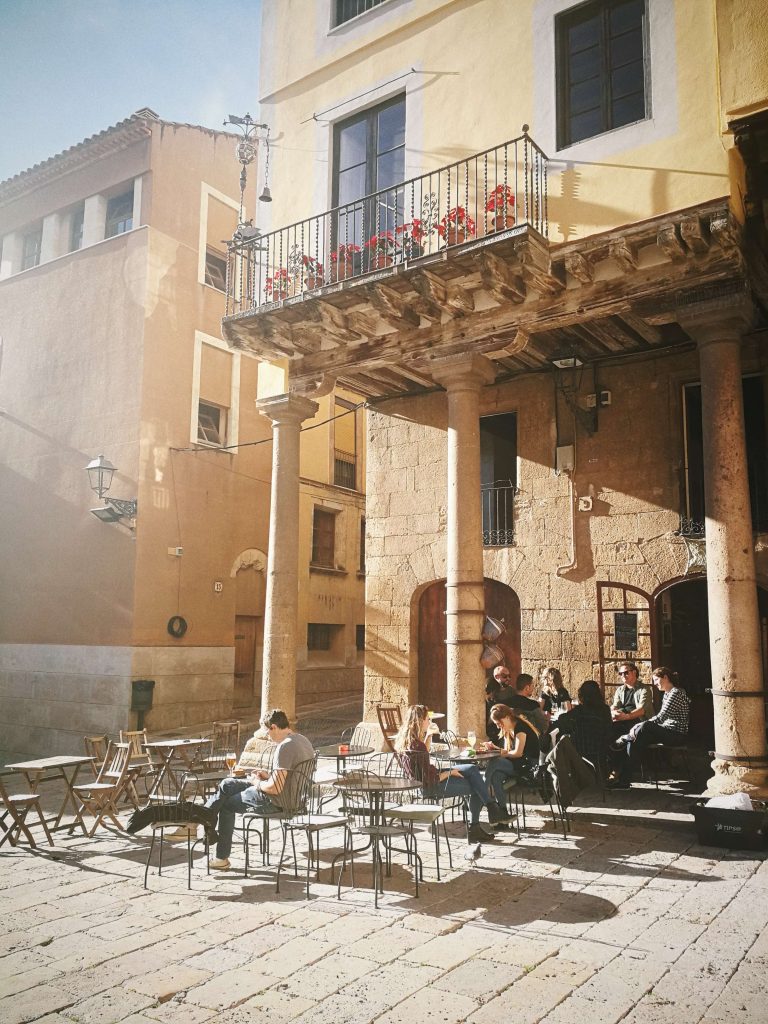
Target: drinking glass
230, 760
471, 740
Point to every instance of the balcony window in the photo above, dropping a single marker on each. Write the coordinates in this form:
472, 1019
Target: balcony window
324, 538
369, 156
119, 215
601, 68
692, 513
346, 10
211, 424
216, 269
345, 444
498, 477
31, 247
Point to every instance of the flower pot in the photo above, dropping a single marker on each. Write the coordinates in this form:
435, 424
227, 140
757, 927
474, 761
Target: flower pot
341, 270
503, 220
313, 281
454, 235
380, 260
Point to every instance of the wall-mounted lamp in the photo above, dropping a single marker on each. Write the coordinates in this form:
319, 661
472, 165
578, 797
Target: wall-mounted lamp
100, 472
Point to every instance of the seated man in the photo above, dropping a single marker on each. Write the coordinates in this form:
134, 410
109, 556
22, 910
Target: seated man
669, 726
631, 702
497, 691
260, 792
523, 700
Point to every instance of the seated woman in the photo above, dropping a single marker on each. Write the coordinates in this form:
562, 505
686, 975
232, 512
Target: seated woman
554, 696
412, 751
589, 726
520, 746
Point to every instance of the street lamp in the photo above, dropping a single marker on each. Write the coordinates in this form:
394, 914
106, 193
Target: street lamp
100, 472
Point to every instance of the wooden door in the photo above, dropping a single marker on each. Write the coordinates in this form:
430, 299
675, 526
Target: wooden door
500, 601
245, 658
626, 631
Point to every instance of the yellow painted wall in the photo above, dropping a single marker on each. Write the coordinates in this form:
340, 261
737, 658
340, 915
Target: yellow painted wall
485, 67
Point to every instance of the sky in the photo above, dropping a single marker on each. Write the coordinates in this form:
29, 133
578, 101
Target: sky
71, 68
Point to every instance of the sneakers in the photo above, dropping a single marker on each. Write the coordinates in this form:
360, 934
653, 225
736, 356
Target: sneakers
495, 813
220, 865
477, 834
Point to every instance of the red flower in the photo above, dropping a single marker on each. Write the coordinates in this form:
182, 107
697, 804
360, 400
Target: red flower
501, 196
344, 253
384, 242
459, 219
413, 229
278, 283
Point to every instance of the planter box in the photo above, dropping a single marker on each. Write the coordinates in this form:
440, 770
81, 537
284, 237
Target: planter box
736, 830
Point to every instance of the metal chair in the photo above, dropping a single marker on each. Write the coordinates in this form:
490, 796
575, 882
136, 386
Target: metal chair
390, 718
17, 806
100, 798
524, 783
212, 767
420, 810
363, 820
658, 752
290, 805
171, 807
298, 798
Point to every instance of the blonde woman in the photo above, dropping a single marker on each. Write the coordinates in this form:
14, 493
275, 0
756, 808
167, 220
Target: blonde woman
519, 743
412, 750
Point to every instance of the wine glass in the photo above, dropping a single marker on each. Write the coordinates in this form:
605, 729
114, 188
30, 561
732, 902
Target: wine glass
471, 739
230, 760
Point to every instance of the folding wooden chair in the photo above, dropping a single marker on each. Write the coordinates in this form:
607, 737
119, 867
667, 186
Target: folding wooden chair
139, 763
100, 798
390, 718
17, 806
96, 747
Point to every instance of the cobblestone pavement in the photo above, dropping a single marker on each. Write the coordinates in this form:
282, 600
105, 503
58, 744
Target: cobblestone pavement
627, 919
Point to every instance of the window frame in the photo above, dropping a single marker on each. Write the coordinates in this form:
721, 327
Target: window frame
220, 257
122, 224
319, 544
563, 21
336, 6
31, 254
220, 427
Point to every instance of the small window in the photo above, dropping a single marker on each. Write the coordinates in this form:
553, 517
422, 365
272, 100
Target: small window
31, 246
601, 68
211, 424
318, 636
119, 215
216, 269
324, 538
361, 564
346, 10
76, 228
360, 638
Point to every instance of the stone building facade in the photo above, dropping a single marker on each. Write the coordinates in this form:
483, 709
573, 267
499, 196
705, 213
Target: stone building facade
560, 331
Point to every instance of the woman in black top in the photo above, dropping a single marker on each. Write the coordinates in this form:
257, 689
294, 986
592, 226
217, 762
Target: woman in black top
520, 745
554, 696
589, 726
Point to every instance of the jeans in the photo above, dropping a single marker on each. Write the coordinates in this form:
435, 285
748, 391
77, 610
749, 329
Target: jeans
236, 796
471, 784
642, 736
498, 771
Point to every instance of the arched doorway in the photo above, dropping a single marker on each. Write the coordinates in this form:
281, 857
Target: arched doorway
249, 573
682, 642
500, 601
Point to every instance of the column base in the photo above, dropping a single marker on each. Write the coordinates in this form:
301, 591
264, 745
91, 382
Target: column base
736, 778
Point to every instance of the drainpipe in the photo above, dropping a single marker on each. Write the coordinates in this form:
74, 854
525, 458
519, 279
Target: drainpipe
568, 566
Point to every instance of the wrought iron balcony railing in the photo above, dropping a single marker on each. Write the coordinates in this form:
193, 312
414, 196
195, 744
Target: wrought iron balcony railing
496, 193
498, 501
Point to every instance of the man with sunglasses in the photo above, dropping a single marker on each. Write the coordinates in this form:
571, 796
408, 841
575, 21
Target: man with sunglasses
261, 791
632, 702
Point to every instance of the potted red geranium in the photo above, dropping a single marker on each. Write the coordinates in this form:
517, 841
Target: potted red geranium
381, 250
313, 272
278, 286
343, 261
456, 226
501, 203
412, 234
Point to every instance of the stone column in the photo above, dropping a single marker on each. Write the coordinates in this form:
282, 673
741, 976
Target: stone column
278, 688
94, 219
740, 762
462, 377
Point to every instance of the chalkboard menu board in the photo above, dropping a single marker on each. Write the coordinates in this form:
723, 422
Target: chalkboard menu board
625, 631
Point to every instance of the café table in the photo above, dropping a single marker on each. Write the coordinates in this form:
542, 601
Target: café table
62, 767
461, 755
176, 757
342, 752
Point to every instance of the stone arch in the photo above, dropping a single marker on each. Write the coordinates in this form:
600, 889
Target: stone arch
428, 630
251, 558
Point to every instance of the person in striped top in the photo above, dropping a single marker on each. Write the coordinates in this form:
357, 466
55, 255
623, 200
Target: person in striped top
670, 725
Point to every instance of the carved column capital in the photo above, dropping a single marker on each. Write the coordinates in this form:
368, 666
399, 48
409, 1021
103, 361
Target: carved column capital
718, 314
288, 408
462, 372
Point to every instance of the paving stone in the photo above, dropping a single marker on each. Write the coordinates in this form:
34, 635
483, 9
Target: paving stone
278, 1004
423, 1004
108, 1007
13, 983
166, 982
291, 957
178, 1009
33, 1003
366, 999
479, 982
231, 988
447, 951
389, 944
